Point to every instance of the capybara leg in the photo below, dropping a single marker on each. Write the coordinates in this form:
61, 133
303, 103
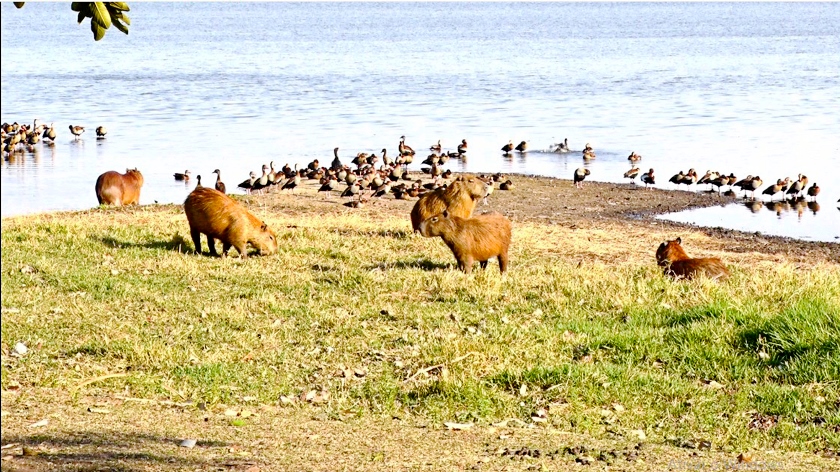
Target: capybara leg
212, 243
483, 264
467, 263
196, 237
503, 262
226, 248
243, 250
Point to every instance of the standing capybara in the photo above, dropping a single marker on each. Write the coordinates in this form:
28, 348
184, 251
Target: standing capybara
113, 188
472, 239
218, 216
458, 198
677, 264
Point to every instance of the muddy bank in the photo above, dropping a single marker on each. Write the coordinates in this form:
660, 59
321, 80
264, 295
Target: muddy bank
604, 206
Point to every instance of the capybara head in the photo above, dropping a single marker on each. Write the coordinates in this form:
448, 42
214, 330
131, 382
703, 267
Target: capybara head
670, 251
474, 186
437, 225
136, 174
264, 240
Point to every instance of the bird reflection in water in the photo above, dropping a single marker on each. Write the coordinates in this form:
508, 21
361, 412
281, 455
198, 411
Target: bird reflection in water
798, 205
754, 206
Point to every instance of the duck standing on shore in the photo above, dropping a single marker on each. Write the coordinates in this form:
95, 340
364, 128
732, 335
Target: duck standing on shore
632, 174
580, 174
77, 130
648, 178
220, 186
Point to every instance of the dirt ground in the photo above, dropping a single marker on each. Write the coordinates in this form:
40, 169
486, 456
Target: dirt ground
123, 434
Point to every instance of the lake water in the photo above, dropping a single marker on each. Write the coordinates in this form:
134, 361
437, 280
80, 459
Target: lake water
743, 88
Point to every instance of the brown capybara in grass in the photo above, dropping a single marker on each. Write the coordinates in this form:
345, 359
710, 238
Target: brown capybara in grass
677, 264
458, 198
218, 216
472, 239
113, 188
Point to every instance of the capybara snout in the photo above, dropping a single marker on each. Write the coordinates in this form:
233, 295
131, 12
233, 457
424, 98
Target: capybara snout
672, 257
472, 239
218, 216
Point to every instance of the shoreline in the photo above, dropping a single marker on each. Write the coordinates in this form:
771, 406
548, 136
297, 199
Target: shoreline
554, 201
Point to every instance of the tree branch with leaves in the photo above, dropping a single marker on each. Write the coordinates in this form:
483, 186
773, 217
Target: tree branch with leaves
102, 15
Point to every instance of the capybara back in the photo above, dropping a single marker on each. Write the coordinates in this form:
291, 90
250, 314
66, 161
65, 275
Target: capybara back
458, 198
479, 238
113, 188
218, 216
672, 257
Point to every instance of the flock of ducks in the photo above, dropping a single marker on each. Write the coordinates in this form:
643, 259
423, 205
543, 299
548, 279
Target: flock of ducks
16, 136
376, 176
365, 176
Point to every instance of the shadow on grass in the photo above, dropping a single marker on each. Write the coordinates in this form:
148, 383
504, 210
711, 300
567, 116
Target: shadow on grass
177, 243
424, 263
114, 451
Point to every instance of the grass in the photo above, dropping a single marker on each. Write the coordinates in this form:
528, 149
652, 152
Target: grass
584, 321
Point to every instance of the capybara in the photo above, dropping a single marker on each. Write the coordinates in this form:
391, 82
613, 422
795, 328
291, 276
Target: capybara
218, 216
458, 198
472, 239
113, 188
677, 264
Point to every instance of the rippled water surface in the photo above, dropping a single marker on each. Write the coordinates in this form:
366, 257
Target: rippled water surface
743, 88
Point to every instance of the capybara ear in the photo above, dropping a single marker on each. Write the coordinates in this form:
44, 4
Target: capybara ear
679, 240
264, 226
662, 246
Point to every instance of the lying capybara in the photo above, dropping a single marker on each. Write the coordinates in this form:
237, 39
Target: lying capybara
218, 216
458, 198
113, 188
471, 239
677, 264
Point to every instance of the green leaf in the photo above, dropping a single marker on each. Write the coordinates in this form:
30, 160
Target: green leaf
19, 4
98, 31
125, 19
121, 6
101, 15
78, 6
81, 17
120, 26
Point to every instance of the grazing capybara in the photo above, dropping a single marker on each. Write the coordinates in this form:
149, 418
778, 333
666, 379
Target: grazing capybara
677, 264
458, 198
472, 239
218, 216
113, 188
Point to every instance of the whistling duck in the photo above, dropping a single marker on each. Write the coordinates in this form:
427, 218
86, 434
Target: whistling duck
248, 183
220, 186
813, 191
633, 157
795, 188
708, 177
329, 186
632, 174
180, 176
197, 181
50, 133
580, 174
385, 159
753, 185
742, 184
774, 189
101, 131
314, 165
648, 178
351, 178
405, 149
431, 159
262, 182
336, 163
462, 148
562, 147
292, 183
352, 189
77, 130
272, 174
507, 148
522, 147
435, 147
506, 185
676, 178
